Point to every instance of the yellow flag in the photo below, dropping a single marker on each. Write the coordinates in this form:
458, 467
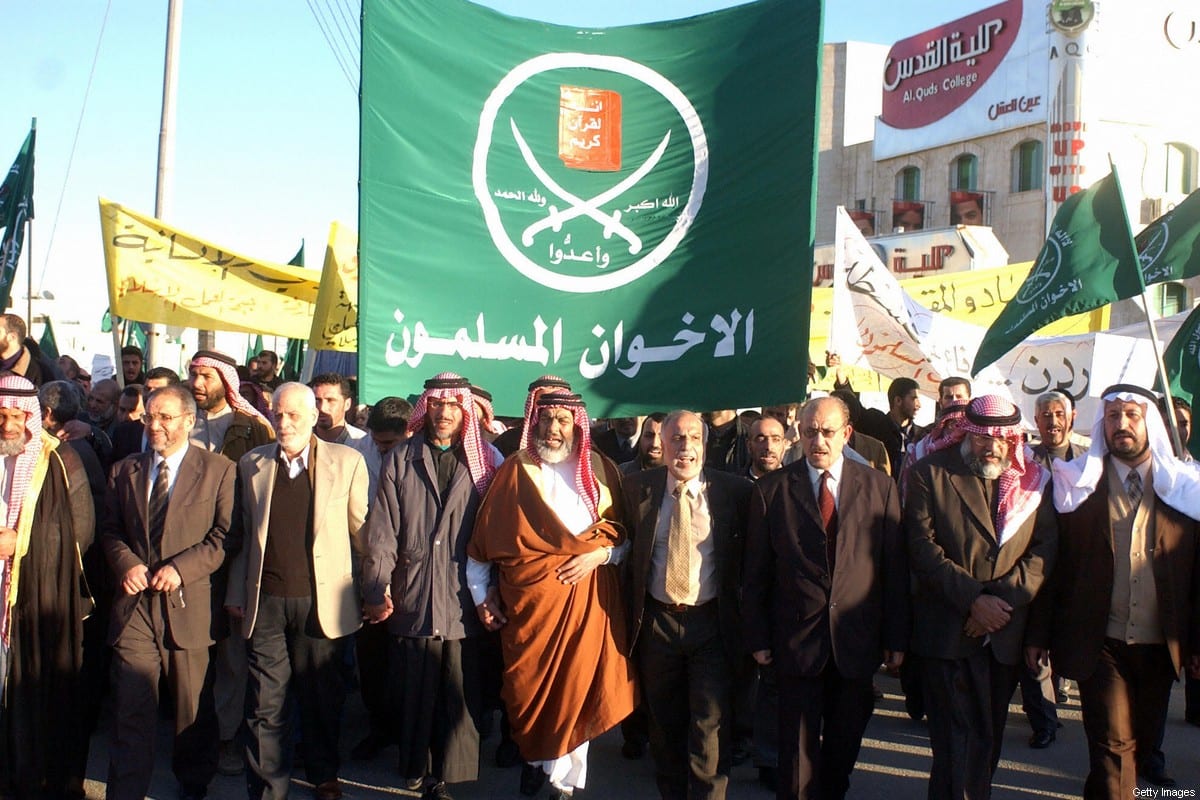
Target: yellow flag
157, 273
335, 323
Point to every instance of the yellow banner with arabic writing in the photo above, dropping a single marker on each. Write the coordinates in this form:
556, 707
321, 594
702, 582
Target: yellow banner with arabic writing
157, 273
335, 323
975, 296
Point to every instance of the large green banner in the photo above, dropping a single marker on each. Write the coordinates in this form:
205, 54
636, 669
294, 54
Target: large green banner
629, 208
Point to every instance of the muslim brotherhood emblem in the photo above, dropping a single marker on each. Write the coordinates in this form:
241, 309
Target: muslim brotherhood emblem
589, 170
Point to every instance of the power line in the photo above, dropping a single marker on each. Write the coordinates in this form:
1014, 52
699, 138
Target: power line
71, 156
346, 29
347, 71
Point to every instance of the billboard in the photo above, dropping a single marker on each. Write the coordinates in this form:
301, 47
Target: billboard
980, 74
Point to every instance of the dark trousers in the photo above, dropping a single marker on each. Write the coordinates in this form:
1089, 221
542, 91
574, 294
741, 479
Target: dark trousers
1038, 699
1191, 711
966, 700
685, 673
436, 683
1124, 701
286, 647
371, 646
766, 717
141, 656
821, 725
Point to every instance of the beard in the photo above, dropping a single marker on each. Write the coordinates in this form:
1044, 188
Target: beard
12, 447
1127, 450
553, 455
987, 470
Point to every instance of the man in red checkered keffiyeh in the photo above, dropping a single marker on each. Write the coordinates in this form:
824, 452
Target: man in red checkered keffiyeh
455, 389
550, 531
982, 536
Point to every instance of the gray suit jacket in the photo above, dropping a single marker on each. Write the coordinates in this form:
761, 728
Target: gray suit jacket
955, 557
339, 483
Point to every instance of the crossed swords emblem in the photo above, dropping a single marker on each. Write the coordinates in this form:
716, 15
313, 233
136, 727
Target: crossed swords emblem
610, 222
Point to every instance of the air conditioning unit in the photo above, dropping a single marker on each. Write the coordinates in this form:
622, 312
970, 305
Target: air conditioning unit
1155, 207
1151, 209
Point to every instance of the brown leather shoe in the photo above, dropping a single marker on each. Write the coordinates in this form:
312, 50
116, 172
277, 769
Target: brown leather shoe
329, 790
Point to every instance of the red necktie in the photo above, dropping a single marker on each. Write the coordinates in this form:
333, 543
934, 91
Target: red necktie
828, 520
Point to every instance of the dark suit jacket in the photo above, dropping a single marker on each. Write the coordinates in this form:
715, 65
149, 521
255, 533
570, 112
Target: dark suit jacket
728, 497
954, 555
127, 439
879, 425
1071, 616
792, 606
195, 537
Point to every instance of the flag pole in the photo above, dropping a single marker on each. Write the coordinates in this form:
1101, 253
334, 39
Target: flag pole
29, 277
1172, 425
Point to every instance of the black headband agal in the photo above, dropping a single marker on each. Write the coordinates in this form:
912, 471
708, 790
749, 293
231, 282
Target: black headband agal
481, 393
550, 381
1129, 388
448, 383
993, 420
559, 400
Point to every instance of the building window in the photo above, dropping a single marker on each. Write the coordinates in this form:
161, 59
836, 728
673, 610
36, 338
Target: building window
908, 184
963, 173
1181, 168
1172, 299
1027, 166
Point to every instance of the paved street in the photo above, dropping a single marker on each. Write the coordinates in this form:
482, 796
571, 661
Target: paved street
894, 764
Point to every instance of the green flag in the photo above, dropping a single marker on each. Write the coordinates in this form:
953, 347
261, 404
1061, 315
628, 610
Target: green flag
1087, 261
1182, 360
1169, 247
293, 360
254, 346
629, 208
16, 209
298, 259
136, 334
106, 322
48, 345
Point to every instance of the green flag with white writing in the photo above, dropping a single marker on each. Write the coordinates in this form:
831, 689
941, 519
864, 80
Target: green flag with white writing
16, 209
1087, 261
629, 208
1169, 247
1182, 360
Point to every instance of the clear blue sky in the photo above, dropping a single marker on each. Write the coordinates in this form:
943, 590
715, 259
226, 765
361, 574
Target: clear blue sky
267, 125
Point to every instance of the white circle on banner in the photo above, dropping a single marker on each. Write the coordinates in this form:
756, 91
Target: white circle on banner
491, 213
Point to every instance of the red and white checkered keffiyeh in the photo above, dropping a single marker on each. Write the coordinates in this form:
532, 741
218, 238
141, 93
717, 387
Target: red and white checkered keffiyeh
1021, 485
946, 432
585, 479
17, 392
229, 377
544, 384
447, 386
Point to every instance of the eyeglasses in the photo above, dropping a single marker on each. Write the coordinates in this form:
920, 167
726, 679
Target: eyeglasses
825, 433
161, 419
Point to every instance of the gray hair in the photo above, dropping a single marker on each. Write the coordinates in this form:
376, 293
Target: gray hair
180, 392
64, 399
1053, 396
680, 413
294, 386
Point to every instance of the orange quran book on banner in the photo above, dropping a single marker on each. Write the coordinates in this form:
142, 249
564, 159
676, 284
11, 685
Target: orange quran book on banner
589, 128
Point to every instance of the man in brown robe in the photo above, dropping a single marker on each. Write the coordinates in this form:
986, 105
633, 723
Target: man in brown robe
550, 525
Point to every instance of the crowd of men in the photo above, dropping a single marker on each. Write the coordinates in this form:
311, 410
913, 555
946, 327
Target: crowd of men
720, 586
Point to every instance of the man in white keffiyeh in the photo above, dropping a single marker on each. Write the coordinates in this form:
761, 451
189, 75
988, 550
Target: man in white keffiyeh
47, 521
1119, 613
981, 537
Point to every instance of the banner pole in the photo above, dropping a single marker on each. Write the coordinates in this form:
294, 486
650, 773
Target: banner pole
1172, 425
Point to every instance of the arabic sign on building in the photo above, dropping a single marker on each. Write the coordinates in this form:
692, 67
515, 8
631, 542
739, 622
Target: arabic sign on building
932, 252
980, 74
516, 221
